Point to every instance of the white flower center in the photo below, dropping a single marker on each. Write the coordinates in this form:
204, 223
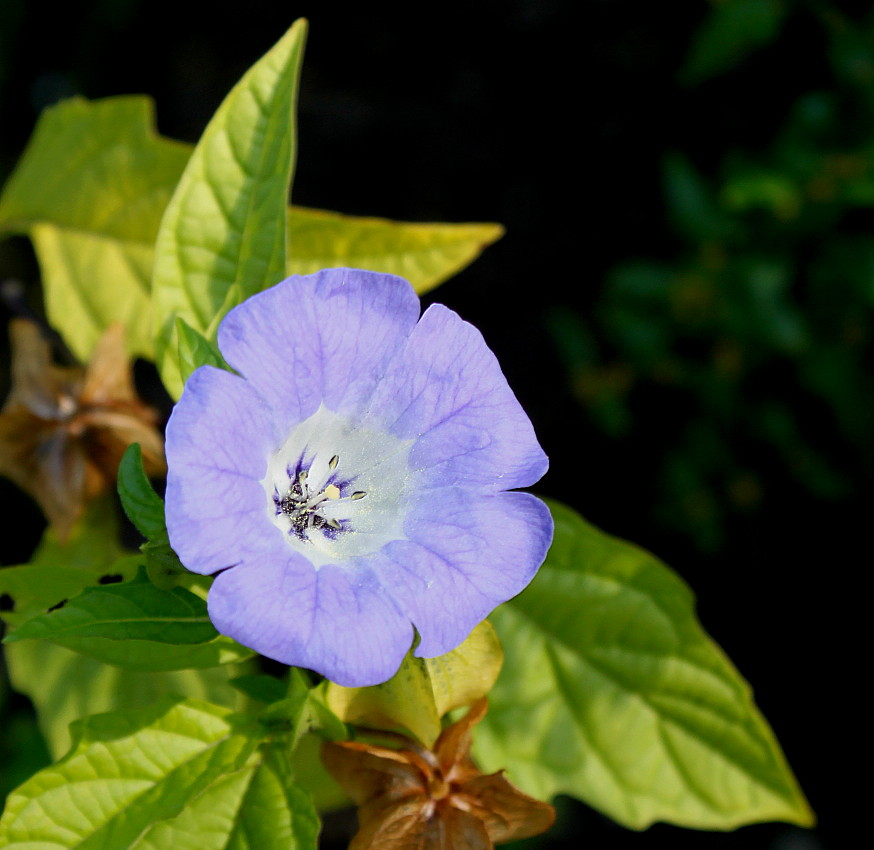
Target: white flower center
337, 491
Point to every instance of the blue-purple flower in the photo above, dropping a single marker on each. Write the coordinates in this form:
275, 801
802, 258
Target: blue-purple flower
351, 482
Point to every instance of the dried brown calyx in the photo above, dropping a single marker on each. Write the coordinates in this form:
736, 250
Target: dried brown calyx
418, 799
64, 429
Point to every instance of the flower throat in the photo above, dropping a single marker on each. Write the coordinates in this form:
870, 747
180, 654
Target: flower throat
302, 504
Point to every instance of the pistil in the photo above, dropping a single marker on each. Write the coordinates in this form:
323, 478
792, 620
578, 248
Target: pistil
301, 504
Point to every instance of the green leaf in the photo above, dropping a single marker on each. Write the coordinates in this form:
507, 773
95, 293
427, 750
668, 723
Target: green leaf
60, 571
322, 719
291, 711
94, 223
65, 685
612, 692
143, 506
692, 206
126, 773
424, 254
261, 687
92, 544
303, 710
260, 807
310, 774
223, 236
133, 625
195, 350
134, 610
154, 656
423, 689
163, 566
733, 29
33, 588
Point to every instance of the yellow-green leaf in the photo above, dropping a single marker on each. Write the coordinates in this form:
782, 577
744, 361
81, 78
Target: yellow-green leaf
65, 685
424, 689
613, 692
424, 254
94, 224
90, 190
125, 774
223, 236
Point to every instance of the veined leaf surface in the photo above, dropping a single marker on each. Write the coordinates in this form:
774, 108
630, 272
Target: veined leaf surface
613, 693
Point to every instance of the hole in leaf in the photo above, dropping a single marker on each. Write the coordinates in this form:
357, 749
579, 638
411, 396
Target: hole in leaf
7, 603
110, 579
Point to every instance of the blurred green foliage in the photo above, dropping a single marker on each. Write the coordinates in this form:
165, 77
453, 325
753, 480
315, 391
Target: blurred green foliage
756, 330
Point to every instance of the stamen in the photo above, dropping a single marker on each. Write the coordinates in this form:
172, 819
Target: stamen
301, 503
358, 494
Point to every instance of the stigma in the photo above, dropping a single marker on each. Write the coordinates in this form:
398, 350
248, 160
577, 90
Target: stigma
304, 502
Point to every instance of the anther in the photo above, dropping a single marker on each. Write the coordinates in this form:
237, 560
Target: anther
332, 491
358, 494
332, 463
334, 524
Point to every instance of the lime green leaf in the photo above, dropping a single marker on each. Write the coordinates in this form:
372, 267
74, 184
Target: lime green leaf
94, 223
310, 774
134, 610
125, 773
260, 808
141, 503
424, 254
223, 236
613, 693
423, 689
195, 350
64, 686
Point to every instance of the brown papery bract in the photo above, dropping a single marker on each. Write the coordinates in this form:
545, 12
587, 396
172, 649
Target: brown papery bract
417, 799
64, 429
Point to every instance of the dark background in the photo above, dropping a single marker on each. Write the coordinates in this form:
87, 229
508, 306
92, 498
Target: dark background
696, 360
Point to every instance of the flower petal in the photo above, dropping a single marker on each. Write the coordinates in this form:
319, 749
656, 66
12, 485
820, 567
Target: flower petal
446, 389
218, 440
467, 553
323, 338
335, 620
